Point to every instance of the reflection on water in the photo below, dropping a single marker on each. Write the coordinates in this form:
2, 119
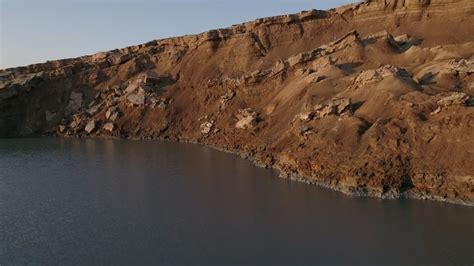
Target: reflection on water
139, 202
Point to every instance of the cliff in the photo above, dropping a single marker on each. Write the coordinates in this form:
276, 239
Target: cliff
373, 98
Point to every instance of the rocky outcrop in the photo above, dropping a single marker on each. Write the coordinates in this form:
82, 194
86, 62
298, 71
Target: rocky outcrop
206, 127
109, 127
247, 119
369, 99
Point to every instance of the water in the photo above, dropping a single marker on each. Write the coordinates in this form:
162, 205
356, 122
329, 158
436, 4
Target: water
143, 202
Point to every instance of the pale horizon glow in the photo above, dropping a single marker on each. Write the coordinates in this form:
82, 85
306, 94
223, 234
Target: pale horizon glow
34, 31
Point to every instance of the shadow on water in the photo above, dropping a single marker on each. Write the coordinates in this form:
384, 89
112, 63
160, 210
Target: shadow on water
129, 202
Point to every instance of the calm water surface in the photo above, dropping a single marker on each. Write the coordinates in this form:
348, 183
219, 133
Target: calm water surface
142, 202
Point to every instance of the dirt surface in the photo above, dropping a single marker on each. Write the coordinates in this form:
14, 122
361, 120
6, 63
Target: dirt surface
370, 99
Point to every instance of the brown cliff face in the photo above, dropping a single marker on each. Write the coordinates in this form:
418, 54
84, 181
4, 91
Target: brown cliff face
371, 99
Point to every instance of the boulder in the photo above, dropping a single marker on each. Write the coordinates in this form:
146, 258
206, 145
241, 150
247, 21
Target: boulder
257, 76
61, 128
322, 62
99, 56
335, 106
77, 120
306, 116
74, 124
367, 76
437, 111
299, 59
131, 87
246, 119
90, 127
404, 38
323, 110
374, 75
114, 116
227, 97
157, 102
279, 67
61, 73
110, 112
137, 99
94, 109
456, 98
206, 127
303, 129
345, 41
342, 105
109, 127
162, 105
120, 59
137, 83
246, 123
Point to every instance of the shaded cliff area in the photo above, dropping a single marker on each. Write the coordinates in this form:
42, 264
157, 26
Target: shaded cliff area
374, 98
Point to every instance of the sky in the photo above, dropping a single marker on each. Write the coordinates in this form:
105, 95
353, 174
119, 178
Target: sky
33, 31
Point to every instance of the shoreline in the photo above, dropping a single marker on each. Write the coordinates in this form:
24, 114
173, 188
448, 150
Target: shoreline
284, 175
375, 108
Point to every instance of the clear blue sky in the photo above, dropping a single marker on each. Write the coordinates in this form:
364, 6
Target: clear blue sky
34, 31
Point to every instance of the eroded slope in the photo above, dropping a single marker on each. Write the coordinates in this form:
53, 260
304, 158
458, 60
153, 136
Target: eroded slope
370, 99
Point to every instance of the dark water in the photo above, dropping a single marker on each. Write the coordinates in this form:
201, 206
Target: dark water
122, 202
